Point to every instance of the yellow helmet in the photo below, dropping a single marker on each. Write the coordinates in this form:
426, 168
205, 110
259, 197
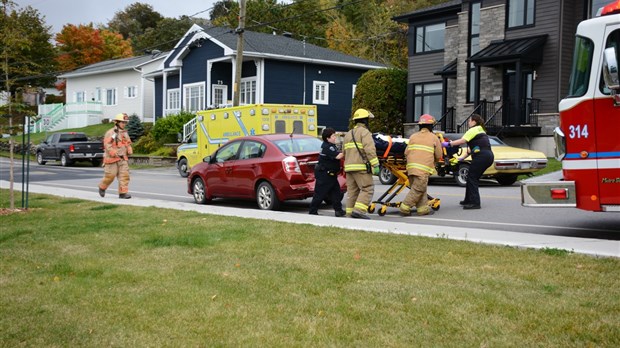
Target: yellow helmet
122, 117
426, 119
362, 113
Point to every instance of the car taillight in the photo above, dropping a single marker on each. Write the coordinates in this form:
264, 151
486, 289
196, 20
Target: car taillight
71, 148
290, 165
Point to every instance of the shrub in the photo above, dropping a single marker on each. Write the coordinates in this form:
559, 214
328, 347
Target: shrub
166, 130
384, 93
134, 127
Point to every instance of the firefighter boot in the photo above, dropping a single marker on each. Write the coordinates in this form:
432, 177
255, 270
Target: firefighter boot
101, 192
124, 196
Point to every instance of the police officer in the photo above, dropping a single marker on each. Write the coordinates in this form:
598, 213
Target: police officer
326, 175
117, 146
423, 150
360, 163
479, 146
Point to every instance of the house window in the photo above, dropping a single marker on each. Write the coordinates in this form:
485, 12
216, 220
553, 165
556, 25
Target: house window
110, 97
353, 91
80, 97
321, 92
429, 38
247, 91
174, 100
474, 47
427, 99
520, 13
219, 93
194, 97
131, 92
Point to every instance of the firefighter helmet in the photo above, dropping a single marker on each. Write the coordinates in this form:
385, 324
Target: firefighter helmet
426, 119
122, 117
362, 113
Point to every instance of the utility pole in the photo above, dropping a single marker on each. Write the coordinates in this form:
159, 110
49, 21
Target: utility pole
239, 61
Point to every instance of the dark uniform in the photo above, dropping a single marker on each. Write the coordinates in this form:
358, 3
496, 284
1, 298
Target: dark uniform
326, 174
482, 158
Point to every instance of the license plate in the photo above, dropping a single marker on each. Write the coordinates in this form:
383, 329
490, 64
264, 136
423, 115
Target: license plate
526, 165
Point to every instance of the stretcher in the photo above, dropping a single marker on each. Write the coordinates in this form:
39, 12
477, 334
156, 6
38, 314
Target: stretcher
396, 163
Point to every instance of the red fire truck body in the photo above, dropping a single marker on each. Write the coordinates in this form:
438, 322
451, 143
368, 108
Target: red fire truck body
588, 139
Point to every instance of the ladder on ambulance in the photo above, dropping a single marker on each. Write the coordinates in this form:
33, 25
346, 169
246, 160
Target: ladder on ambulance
188, 129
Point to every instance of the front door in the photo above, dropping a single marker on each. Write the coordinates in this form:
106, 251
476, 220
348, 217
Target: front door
515, 112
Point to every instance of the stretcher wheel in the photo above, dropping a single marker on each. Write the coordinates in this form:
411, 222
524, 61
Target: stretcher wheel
435, 204
382, 211
371, 208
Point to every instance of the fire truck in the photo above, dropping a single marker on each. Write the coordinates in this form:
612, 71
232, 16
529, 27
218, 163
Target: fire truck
212, 128
588, 139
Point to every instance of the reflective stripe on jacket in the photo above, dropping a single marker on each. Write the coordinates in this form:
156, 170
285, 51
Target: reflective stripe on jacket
117, 145
423, 151
353, 160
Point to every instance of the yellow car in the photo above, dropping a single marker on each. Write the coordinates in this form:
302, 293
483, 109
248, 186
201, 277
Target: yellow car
510, 162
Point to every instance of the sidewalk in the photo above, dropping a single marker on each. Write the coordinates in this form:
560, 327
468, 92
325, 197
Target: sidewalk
595, 247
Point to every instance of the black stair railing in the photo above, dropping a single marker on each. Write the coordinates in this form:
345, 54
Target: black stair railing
446, 122
531, 107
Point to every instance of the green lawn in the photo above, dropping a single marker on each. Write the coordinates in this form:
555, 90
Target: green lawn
81, 273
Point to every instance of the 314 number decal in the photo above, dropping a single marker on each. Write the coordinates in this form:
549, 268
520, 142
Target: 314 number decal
578, 131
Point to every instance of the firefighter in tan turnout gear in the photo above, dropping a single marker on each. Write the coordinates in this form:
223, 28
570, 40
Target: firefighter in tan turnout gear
117, 146
360, 163
423, 150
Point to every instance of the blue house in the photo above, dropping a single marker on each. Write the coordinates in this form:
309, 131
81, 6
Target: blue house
199, 74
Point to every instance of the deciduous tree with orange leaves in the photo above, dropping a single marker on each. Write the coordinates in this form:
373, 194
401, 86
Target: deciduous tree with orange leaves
83, 45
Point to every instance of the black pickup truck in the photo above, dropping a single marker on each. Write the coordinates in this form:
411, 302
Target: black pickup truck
69, 147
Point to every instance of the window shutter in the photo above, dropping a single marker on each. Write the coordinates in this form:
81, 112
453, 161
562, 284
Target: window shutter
125, 92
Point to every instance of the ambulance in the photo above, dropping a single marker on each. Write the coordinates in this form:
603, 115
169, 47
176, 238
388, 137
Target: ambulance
588, 139
212, 128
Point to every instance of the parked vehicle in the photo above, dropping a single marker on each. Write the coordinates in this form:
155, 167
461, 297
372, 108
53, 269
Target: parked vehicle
267, 168
212, 128
510, 162
69, 147
586, 141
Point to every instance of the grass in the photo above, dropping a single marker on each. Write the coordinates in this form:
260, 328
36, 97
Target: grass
81, 273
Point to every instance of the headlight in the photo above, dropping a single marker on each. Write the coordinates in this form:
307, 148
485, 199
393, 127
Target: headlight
560, 143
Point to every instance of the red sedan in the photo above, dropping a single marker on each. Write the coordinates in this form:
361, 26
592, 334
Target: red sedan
268, 168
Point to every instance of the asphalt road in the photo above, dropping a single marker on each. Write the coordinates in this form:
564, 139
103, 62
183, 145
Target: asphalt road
501, 206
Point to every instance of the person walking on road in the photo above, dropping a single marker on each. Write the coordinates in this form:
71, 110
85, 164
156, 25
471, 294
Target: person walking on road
117, 147
423, 150
326, 175
360, 164
479, 146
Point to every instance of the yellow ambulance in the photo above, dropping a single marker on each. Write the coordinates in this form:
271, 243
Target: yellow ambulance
212, 128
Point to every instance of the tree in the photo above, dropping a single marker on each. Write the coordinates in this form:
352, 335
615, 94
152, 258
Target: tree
384, 93
134, 21
167, 33
17, 52
135, 129
84, 45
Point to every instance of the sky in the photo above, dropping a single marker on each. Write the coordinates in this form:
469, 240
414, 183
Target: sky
60, 12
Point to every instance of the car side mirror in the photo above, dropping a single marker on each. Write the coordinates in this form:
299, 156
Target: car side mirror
610, 69
207, 159
179, 138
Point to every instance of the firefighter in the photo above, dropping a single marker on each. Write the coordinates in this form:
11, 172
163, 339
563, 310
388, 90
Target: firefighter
117, 146
479, 146
360, 163
423, 150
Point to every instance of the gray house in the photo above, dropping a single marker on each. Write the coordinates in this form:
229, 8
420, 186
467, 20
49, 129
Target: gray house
199, 73
507, 60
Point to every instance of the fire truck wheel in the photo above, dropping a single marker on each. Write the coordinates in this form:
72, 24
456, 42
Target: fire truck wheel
182, 166
266, 197
506, 179
460, 176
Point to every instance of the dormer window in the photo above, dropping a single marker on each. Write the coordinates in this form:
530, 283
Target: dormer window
520, 13
429, 38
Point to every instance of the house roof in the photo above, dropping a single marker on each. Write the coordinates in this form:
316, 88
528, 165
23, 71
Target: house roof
283, 48
447, 70
525, 50
447, 7
113, 65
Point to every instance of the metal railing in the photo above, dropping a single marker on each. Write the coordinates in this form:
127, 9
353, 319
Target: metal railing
446, 122
531, 107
